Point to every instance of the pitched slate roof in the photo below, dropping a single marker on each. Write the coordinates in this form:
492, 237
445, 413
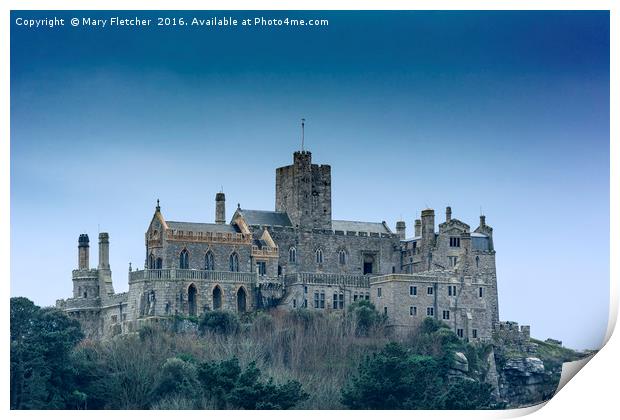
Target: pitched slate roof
202, 227
263, 217
360, 226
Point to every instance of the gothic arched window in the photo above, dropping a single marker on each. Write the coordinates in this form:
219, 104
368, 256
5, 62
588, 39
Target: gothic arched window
151, 261
184, 260
342, 257
292, 255
477, 261
209, 261
234, 262
319, 256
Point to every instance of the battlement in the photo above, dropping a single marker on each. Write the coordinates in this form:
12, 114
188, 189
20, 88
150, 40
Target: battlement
511, 332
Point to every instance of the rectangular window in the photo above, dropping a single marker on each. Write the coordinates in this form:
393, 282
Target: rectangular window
316, 299
294, 303
322, 301
480, 292
430, 311
335, 302
455, 242
446, 315
429, 290
385, 310
378, 292
452, 261
305, 289
305, 303
413, 311
459, 333
114, 319
413, 290
451, 290
474, 333
341, 301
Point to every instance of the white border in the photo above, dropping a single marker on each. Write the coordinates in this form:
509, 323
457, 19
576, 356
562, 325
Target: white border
593, 393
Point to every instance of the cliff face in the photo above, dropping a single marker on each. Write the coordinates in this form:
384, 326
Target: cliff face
528, 371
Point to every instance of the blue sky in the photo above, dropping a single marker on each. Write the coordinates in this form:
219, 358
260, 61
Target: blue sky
504, 111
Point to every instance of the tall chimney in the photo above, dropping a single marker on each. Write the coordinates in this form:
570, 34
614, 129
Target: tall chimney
401, 229
83, 252
104, 251
418, 228
448, 214
428, 226
483, 220
220, 208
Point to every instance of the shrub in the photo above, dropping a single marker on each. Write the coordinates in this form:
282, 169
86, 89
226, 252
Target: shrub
365, 317
219, 322
178, 377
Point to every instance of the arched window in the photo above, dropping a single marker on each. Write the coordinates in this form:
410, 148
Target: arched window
158, 264
209, 261
234, 262
342, 257
184, 260
151, 261
477, 261
319, 256
292, 255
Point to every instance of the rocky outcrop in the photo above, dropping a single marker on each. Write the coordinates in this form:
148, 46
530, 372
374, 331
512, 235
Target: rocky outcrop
525, 381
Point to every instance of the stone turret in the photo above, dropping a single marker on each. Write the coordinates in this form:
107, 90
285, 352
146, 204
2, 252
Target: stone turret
220, 208
83, 252
401, 229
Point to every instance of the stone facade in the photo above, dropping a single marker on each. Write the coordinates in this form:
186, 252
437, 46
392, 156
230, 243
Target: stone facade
296, 257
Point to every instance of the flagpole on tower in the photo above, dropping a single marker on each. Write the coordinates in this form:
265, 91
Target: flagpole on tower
303, 122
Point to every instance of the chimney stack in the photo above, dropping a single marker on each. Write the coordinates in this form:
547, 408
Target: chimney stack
448, 214
220, 208
83, 252
418, 228
482, 221
401, 229
104, 251
428, 226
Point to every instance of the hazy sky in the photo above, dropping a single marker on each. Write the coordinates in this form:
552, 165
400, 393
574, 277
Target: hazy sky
508, 111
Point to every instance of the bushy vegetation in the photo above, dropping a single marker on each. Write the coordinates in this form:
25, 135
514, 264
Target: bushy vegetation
279, 360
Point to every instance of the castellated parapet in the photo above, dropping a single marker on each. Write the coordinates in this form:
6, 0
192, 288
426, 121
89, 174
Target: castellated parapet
296, 256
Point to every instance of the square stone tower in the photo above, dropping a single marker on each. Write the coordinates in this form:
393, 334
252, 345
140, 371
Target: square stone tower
304, 191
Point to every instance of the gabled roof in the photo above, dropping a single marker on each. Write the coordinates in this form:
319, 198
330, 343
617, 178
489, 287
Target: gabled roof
263, 217
360, 226
202, 227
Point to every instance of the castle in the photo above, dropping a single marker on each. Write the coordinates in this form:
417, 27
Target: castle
296, 256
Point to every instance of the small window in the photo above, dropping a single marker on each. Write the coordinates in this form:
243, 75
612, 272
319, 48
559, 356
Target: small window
393, 269
305, 289
385, 310
413, 310
294, 303
477, 261
354, 298
480, 292
335, 301
474, 333
413, 290
322, 300
316, 299
319, 256
292, 255
367, 297
430, 311
341, 301
114, 319
209, 261
451, 290
342, 257
459, 333
446, 315
234, 262
453, 261
184, 260
378, 292
429, 290
305, 303
455, 242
